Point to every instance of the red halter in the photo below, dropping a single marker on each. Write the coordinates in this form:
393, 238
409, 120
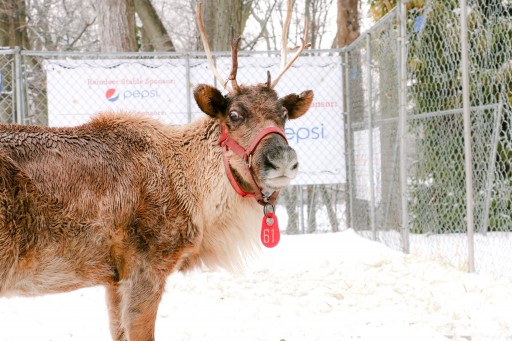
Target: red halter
227, 143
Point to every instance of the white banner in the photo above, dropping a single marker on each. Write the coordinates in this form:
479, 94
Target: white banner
77, 89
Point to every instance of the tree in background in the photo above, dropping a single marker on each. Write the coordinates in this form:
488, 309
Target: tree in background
379, 8
157, 25
222, 16
318, 15
154, 36
62, 26
13, 32
116, 25
13, 24
347, 22
78, 25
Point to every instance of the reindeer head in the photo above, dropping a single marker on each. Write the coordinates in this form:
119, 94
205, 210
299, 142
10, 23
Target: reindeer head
252, 120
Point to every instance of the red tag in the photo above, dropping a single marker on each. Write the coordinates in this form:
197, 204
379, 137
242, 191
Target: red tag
270, 234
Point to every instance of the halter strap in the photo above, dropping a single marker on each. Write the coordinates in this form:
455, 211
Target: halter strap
227, 143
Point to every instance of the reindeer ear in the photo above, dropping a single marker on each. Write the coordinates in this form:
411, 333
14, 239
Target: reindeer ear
297, 105
210, 100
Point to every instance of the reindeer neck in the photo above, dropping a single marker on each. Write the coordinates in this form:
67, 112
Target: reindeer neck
202, 160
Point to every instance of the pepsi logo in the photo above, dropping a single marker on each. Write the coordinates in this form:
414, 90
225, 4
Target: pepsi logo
112, 95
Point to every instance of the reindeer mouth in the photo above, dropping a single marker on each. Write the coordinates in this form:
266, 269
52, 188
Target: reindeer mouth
279, 177
280, 166
277, 182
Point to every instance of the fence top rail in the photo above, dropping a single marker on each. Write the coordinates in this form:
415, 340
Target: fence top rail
194, 54
8, 50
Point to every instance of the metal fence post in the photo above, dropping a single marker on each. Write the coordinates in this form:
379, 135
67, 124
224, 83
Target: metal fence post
402, 127
491, 169
468, 157
18, 86
349, 143
187, 89
370, 135
301, 197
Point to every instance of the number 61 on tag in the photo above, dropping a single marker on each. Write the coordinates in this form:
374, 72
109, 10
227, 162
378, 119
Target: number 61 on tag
270, 234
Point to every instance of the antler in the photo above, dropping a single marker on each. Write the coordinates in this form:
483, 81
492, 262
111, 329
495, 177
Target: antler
234, 64
284, 48
284, 37
211, 64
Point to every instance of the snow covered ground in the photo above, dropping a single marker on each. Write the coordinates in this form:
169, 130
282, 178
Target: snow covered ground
310, 287
492, 250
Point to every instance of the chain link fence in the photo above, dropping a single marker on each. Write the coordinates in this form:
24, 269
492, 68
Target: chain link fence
372, 91
7, 89
438, 202
397, 172
435, 223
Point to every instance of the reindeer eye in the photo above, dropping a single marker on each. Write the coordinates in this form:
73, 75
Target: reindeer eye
234, 116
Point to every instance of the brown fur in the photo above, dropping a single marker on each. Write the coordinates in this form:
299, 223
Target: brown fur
123, 201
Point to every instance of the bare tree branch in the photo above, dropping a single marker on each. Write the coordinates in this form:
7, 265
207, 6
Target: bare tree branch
79, 36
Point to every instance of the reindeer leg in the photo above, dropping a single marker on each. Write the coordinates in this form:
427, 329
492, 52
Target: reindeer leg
114, 312
141, 294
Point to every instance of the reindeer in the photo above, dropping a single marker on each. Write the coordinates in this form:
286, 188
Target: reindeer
123, 201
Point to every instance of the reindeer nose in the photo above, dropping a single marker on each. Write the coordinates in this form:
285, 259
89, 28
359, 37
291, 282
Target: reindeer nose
293, 164
282, 159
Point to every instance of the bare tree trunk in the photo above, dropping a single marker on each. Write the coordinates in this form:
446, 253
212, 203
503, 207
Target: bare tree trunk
222, 16
4, 25
13, 32
348, 22
116, 20
154, 34
13, 24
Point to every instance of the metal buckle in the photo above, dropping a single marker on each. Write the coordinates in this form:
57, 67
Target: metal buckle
268, 208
